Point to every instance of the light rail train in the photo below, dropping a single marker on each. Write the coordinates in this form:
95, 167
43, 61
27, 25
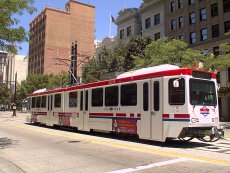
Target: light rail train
156, 103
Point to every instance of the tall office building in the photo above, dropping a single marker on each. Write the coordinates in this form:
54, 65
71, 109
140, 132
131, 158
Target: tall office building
53, 32
203, 25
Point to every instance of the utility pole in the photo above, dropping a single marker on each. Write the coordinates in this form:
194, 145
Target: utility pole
15, 96
73, 68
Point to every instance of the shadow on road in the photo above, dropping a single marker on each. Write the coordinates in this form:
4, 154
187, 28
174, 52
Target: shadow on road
169, 144
6, 142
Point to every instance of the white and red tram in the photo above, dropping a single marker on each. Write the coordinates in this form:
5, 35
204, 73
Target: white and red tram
155, 103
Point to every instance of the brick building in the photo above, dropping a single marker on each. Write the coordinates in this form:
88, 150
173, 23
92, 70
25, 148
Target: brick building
53, 32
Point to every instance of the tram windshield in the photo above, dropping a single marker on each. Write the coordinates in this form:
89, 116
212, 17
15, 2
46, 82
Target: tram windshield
202, 92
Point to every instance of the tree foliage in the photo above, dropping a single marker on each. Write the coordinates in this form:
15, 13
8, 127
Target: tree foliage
34, 82
222, 60
120, 59
11, 32
4, 94
165, 51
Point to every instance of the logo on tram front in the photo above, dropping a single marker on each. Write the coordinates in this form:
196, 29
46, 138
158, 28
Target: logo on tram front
204, 111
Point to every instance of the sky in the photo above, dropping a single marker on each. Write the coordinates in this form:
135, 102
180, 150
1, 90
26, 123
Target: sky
103, 9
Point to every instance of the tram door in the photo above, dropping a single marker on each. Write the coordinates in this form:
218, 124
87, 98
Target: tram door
83, 117
156, 97
151, 109
50, 110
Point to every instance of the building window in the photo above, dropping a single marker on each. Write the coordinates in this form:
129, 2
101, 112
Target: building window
157, 19
173, 24
192, 37
203, 14
190, 2
181, 21
205, 52
129, 31
147, 23
203, 34
181, 37
180, 3
214, 10
122, 33
216, 50
215, 31
192, 18
172, 6
157, 36
226, 5
227, 26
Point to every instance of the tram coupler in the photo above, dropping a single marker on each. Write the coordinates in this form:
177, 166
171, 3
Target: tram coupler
220, 131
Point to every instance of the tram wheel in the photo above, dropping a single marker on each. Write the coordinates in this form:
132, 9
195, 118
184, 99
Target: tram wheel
211, 138
186, 139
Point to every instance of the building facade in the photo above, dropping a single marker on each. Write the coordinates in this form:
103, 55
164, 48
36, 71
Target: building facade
128, 24
153, 18
3, 59
203, 25
54, 31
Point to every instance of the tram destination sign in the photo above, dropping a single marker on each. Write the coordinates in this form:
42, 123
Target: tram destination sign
203, 75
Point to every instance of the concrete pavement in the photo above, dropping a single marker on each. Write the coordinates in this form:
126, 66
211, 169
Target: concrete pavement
21, 116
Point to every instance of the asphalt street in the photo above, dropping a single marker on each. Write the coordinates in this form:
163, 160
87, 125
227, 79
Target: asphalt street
28, 148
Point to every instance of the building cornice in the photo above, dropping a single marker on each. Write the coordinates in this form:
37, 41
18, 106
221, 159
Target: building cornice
126, 14
147, 4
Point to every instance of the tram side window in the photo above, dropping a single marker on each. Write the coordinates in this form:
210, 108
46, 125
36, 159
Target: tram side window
97, 97
38, 102
177, 94
86, 100
129, 95
146, 96
111, 96
72, 99
33, 102
156, 96
57, 100
43, 103
81, 101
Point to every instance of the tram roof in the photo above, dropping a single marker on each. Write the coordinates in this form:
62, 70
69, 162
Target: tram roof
173, 72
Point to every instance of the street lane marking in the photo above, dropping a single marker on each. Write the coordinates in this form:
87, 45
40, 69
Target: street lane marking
158, 164
120, 145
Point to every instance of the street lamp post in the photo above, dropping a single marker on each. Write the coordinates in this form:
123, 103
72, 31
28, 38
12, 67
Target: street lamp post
15, 96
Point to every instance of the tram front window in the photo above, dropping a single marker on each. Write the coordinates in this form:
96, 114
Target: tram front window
202, 92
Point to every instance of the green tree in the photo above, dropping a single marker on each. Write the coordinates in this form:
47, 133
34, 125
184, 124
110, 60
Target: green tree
135, 47
119, 59
165, 51
4, 94
222, 60
93, 71
34, 82
11, 33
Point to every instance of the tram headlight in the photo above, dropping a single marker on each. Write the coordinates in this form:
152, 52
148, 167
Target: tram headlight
216, 120
193, 120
